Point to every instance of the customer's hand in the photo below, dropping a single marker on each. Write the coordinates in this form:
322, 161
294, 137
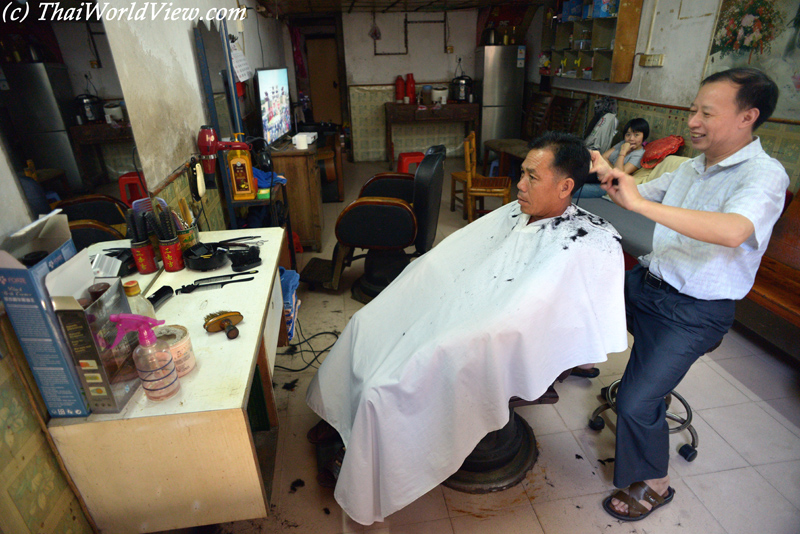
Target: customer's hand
599, 165
624, 149
621, 187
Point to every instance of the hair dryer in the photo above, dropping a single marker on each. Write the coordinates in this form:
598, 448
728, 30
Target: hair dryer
209, 144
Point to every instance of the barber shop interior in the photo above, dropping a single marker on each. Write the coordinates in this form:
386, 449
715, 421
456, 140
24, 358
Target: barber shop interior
400, 266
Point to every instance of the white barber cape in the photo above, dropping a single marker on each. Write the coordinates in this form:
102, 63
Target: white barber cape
421, 374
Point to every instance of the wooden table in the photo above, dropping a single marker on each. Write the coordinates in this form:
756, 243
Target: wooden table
505, 148
469, 114
192, 459
92, 136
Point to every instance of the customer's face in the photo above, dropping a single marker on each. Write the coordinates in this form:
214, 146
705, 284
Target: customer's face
716, 124
542, 191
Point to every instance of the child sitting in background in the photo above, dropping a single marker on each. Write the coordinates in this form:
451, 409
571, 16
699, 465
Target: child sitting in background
625, 156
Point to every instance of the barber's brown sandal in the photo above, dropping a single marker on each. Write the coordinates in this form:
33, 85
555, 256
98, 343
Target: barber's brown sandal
638, 491
322, 432
594, 372
329, 474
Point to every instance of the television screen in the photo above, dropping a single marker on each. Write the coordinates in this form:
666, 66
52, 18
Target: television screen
272, 86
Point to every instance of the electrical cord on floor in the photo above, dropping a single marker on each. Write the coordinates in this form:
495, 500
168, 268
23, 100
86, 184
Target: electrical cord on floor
304, 340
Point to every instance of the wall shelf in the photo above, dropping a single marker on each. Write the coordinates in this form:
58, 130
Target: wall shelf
609, 56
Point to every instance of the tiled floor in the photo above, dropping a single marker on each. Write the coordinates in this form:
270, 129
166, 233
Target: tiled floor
746, 478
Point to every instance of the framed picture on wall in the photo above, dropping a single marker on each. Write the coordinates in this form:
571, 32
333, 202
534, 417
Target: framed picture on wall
764, 34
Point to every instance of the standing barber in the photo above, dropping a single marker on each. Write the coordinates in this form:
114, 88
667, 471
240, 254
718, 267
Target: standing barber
714, 217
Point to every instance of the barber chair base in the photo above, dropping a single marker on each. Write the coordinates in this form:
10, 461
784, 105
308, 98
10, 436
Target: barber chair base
500, 461
688, 450
327, 273
381, 267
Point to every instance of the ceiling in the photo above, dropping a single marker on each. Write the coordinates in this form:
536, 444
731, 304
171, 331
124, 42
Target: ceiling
298, 7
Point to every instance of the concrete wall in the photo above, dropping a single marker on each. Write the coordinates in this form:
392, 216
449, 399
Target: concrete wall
13, 205
426, 57
682, 31
73, 40
533, 40
158, 74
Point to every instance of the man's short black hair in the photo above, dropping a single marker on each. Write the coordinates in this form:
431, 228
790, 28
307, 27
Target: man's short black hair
755, 90
570, 157
636, 126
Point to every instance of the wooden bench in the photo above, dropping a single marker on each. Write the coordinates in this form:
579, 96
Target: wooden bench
777, 287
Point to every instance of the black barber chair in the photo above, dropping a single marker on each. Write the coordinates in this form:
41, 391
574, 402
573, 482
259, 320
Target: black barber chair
503, 458
393, 211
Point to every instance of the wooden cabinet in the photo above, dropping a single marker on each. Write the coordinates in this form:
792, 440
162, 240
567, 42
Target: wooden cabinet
303, 189
600, 49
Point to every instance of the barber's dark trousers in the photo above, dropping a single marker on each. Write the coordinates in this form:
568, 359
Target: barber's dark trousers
670, 332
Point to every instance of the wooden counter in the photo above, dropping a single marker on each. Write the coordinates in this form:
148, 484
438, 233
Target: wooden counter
304, 191
192, 459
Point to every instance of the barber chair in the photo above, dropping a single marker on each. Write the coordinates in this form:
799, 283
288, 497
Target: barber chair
503, 458
687, 450
393, 212
108, 210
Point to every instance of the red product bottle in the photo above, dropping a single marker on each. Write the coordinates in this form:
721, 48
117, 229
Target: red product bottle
411, 88
399, 90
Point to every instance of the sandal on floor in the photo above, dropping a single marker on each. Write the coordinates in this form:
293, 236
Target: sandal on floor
328, 475
638, 491
594, 372
322, 432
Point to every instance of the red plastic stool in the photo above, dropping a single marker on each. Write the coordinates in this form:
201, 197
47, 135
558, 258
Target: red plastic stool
407, 158
130, 187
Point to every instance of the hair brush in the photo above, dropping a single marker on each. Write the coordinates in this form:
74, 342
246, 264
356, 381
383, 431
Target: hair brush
244, 260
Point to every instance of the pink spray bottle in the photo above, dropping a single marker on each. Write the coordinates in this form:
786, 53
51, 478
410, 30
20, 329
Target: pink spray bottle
152, 357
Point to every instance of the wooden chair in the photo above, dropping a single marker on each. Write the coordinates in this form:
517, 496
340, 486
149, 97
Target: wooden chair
88, 232
329, 161
564, 114
476, 187
537, 116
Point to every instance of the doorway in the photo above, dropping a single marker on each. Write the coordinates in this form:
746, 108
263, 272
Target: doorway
323, 77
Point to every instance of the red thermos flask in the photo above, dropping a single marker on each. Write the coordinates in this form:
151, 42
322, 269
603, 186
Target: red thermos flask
411, 88
399, 90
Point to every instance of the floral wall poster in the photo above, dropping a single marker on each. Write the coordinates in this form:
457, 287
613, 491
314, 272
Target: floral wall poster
764, 34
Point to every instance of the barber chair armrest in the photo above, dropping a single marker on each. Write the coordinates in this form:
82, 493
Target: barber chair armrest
390, 184
377, 223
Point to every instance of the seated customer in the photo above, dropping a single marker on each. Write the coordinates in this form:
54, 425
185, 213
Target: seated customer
498, 309
625, 156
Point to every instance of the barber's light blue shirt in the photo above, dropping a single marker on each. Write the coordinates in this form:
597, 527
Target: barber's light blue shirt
749, 183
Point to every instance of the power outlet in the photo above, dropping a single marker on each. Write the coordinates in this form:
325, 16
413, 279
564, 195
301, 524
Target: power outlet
651, 60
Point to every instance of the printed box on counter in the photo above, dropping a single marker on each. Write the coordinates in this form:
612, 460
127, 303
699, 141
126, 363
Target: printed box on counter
108, 374
43, 245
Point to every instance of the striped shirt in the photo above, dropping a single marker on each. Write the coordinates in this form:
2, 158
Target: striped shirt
750, 183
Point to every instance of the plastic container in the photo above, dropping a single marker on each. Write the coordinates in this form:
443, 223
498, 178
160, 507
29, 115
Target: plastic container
244, 185
180, 345
144, 256
411, 88
139, 305
171, 255
189, 237
399, 90
152, 358
427, 95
